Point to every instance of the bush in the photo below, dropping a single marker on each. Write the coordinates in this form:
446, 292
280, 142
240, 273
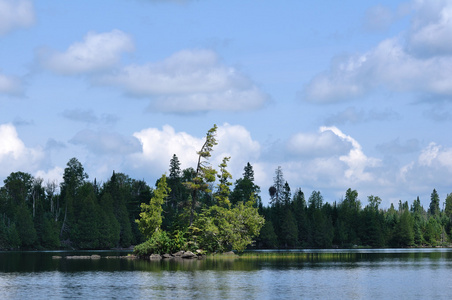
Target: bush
159, 243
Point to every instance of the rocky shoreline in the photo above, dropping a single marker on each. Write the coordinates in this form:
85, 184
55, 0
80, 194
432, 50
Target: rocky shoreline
198, 254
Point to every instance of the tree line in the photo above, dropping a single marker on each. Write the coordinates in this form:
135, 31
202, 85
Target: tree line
292, 221
192, 208
203, 208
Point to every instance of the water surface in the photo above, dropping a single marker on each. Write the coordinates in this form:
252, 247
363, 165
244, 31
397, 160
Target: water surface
309, 274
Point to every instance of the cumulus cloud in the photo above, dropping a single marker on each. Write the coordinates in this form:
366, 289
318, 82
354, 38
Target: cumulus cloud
98, 51
14, 155
394, 64
324, 143
106, 142
15, 14
235, 141
329, 159
10, 85
54, 175
189, 81
356, 160
433, 167
431, 28
160, 145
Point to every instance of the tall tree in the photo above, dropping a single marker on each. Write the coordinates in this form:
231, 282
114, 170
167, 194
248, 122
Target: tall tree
73, 178
434, 203
204, 174
276, 190
151, 214
223, 187
448, 208
245, 189
175, 182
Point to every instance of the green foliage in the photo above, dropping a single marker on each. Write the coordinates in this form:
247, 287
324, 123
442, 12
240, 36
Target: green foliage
158, 243
289, 230
267, 236
434, 203
151, 214
223, 187
183, 213
204, 174
25, 227
219, 229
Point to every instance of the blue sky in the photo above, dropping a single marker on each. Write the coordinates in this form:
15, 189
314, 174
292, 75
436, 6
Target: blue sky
354, 94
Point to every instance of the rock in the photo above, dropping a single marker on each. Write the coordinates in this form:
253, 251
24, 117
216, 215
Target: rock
189, 255
57, 257
231, 253
178, 254
155, 257
166, 255
83, 256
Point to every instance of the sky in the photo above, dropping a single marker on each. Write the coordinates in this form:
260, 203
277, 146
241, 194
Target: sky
354, 94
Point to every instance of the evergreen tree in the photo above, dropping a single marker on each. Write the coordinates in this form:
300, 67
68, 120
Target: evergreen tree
404, 229
204, 174
73, 178
245, 189
299, 209
276, 190
151, 214
287, 195
267, 237
223, 190
289, 230
25, 227
434, 204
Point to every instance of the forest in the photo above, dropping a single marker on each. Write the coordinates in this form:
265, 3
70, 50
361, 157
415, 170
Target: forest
203, 208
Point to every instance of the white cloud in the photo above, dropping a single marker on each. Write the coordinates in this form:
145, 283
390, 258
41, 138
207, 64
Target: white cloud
98, 51
356, 160
325, 143
188, 81
431, 28
394, 64
435, 155
235, 141
433, 168
52, 175
328, 160
10, 85
388, 66
14, 155
15, 14
160, 145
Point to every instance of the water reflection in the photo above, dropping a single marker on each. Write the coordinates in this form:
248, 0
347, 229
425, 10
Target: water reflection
337, 274
249, 261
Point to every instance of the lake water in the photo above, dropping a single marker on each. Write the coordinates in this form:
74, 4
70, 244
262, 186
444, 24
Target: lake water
310, 274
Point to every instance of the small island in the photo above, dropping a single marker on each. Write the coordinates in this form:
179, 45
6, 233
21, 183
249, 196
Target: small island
200, 211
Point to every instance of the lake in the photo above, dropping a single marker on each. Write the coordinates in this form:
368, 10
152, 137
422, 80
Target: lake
308, 274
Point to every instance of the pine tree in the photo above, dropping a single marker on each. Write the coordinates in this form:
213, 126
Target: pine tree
434, 204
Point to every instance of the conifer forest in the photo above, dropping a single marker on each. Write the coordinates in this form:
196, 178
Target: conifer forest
204, 208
